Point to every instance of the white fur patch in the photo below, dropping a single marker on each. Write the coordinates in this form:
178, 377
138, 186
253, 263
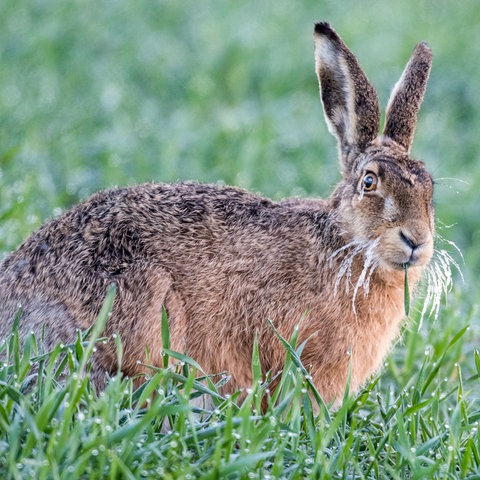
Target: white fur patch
349, 91
328, 55
389, 208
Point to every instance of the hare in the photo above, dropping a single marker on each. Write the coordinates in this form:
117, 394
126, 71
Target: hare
223, 261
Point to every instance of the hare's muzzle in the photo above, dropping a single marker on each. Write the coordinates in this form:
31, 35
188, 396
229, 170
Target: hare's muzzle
410, 245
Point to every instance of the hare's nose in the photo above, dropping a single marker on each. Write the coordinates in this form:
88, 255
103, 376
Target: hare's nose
410, 242
415, 239
416, 244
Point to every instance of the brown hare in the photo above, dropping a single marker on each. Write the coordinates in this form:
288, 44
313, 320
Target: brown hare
223, 261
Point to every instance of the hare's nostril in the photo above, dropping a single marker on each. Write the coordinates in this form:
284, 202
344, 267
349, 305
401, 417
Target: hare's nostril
409, 241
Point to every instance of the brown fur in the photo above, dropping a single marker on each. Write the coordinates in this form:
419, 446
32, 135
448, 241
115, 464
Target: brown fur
223, 261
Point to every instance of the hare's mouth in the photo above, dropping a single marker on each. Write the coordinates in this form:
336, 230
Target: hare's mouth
402, 266
406, 255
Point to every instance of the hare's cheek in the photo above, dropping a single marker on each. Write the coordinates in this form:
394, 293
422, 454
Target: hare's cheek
366, 220
390, 250
389, 211
377, 218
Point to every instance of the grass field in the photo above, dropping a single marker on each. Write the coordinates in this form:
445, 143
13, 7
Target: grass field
101, 93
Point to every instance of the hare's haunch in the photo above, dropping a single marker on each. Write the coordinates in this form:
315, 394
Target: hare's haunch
223, 261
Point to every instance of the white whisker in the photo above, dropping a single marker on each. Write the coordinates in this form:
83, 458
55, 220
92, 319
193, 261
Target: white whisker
355, 243
366, 284
350, 251
459, 180
439, 279
370, 261
450, 258
345, 267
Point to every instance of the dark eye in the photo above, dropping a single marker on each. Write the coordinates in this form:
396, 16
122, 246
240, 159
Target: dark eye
370, 181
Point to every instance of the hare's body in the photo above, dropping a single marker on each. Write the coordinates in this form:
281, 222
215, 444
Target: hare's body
223, 261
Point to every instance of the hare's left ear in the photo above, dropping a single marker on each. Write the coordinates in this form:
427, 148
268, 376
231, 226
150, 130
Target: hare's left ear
407, 96
349, 101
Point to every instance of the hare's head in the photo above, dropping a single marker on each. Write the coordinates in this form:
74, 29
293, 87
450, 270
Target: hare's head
385, 197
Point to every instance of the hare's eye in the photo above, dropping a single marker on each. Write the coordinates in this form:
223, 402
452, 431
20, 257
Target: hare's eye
370, 181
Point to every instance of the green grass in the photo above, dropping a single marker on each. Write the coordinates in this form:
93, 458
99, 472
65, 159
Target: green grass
421, 426
101, 93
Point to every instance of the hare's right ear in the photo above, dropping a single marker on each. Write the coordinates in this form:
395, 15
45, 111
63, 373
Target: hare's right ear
349, 101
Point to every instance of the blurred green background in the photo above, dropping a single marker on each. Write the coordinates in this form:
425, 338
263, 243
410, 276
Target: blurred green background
101, 93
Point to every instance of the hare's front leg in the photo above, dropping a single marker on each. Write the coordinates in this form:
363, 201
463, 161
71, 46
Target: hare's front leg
142, 293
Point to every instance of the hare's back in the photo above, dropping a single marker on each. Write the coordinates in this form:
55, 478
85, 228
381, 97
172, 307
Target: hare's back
194, 232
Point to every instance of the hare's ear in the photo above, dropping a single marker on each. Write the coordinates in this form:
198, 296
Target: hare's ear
349, 101
407, 97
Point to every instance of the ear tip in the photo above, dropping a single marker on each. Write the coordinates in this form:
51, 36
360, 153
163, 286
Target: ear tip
324, 29
321, 26
424, 49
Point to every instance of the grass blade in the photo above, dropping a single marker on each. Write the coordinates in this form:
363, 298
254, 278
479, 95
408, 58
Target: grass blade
406, 291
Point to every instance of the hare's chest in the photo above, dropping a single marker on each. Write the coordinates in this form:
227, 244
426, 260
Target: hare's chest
373, 335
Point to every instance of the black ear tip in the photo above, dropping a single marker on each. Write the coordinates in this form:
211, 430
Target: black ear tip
321, 26
324, 28
424, 44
